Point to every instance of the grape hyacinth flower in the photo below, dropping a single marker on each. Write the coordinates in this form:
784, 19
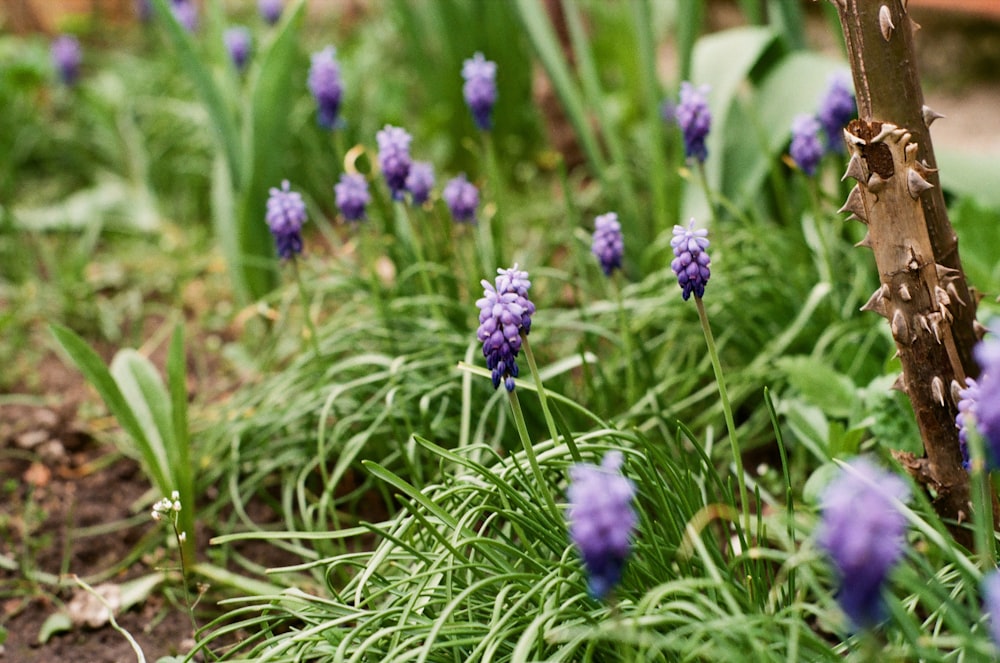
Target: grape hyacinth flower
238, 41
270, 10
991, 603
694, 119
462, 198
286, 212
836, 109
352, 196
966, 417
863, 532
67, 56
186, 13
601, 520
480, 89
987, 409
394, 158
608, 245
691, 261
806, 148
326, 86
420, 181
504, 315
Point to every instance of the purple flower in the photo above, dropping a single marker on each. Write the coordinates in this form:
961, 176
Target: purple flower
326, 86
608, 244
966, 417
462, 198
394, 158
806, 148
601, 520
691, 260
352, 196
67, 56
863, 532
186, 13
238, 41
504, 314
694, 119
286, 212
420, 181
836, 109
270, 10
480, 89
987, 408
991, 603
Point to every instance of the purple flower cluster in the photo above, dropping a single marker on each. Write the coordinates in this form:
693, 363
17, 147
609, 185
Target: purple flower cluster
326, 86
420, 181
691, 260
863, 532
238, 42
352, 196
806, 148
270, 10
836, 109
186, 13
991, 603
987, 407
694, 119
608, 245
480, 89
67, 56
504, 315
462, 198
394, 158
286, 212
966, 417
601, 520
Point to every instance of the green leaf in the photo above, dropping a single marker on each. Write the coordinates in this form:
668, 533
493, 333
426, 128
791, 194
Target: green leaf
58, 622
971, 175
812, 491
820, 384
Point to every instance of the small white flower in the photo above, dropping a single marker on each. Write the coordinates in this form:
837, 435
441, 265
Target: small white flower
177, 506
156, 516
182, 537
175, 495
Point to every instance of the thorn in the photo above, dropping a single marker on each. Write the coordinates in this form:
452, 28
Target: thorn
904, 292
899, 384
854, 168
930, 115
914, 26
900, 330
855, 204
945, 273
865, 242
876, 183
916, 184
956, 392
979, 329
911, 151
876, 302
936, 326
922, 321
953, 291
884, 132
937, 389
943, 302
851, 139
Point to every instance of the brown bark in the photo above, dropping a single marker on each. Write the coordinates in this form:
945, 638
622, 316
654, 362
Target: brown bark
924, 294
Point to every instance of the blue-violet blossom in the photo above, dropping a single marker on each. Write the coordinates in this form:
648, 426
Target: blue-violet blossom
691, 261
394, 158
966, 417
186, 13
806, 148
480, 89
601, 520
420, 181
462, 198
836, 109
987, 410
991, 603
863, 532
326, 86
352, 196
608, 245
504, 315
694, 119
270, 10
286, 212
67, 56
238, 42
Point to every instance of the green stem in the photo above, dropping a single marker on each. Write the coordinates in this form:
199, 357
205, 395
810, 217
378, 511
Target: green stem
630, 375
303, 293
727, 410
709, 195
490, 228
529, 451
543, 399
982, 503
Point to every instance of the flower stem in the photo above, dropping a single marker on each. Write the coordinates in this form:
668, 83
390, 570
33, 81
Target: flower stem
529, 451
982, 504
304, 294
727, 410
630, 376
543, 399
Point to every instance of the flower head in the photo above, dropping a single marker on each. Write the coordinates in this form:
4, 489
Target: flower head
694, 119
186, 13
326, 86
991, 603
862, 531
238, 42
420, 181
691, 260
504, 314
608, 244
352, 196
270, 10
67, 56
601, 520
286, 212
806, 148
462, 198
394, 158
836, 109
987, 408
480, 89
966, 417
